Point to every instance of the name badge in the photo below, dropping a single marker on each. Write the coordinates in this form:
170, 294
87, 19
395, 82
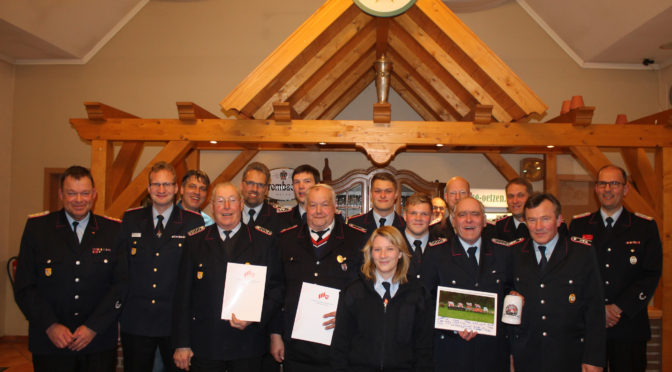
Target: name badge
136, 235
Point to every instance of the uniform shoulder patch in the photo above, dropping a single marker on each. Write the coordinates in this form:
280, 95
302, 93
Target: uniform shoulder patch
111, 218
437, 242
649, 218
190, 211
134, 209
502, 217
281, 209
288, 229
356, 216
581, 215
507, 243
434, 222
358, 228
38, 214
492, 223
264, 230
195, 231
583, 241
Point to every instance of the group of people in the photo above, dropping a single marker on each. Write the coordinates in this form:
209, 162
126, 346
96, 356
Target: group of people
157, 278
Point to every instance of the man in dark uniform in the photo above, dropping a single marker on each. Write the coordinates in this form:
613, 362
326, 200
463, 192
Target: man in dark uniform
152, 240
629, 252
469, 261
323, 251
256, 210
303, 178
384, 195
417, 214
70, 283
193, 193
513, 227
203, 340
562, 325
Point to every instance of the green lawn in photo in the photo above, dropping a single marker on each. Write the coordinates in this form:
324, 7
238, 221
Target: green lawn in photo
466, 315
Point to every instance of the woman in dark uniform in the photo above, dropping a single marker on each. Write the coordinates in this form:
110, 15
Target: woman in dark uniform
384, 320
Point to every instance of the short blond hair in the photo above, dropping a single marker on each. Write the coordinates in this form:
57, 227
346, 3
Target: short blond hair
393, 236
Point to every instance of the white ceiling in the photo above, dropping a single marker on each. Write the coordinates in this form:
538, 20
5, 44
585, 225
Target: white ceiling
595, 33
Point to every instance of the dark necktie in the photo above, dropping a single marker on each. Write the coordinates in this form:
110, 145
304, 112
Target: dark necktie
320, 233
610, 223
387, 296
74, 229
381, 222
227, 234
159, 226
417, 252
543, 261
472, 257
251, 212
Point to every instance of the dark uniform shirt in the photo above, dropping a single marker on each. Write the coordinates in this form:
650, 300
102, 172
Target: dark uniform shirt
563, 315
200, 290
368, 222
59, 280
506, 229
153, 265
630, 263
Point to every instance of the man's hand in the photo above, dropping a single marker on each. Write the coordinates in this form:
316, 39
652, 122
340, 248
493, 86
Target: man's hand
467, 335
59, 335
613, 313
331, 323
277, 348
182, 357
237, 323
590, 368
81, 338
514, 293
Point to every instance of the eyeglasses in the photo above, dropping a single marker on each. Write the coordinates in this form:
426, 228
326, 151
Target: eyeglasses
613, 184
461, 193
165, 185
252, 184
223, 201
438, 208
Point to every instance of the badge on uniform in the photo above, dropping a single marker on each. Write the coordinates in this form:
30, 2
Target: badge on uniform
47, 271
633, 260
572, 298
136, 235
340, 259
199, 275
133, 251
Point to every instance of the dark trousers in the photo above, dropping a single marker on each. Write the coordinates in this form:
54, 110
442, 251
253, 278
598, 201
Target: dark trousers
103, 361
139, 352
623, 356
238, 365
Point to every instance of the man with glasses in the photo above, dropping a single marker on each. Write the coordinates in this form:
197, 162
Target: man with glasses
204, 341
256, 211
629, 251
152, 240
70, 283
439, 209
193, 193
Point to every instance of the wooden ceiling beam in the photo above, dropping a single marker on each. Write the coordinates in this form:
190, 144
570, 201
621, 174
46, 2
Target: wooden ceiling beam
172, 152
189, 111
353, 131
382, 30
593, 159
336, 69
480, 114
582, 116
343, 90
502, 166
410, 97
233, 168
660, 118
99, 111
446, 61
121, 171
642, 173
306, 67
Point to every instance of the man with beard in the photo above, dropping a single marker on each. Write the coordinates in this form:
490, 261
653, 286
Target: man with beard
629, 251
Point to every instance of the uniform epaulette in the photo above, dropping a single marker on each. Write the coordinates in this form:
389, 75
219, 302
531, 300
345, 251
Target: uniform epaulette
280, 209
288, 228
501, 217
491, 222
434, 222
195, 231
583, 241
111, 218
585, 214
39, 214
134, 209
506, 243
264, 230
644, 216
190, 211
358, 228
437, 242
355, 216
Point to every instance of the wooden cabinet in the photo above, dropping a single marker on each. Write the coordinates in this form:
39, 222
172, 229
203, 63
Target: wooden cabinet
353, 189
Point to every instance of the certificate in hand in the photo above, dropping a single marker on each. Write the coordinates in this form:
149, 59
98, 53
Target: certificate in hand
244, 291
463, 309
314, 301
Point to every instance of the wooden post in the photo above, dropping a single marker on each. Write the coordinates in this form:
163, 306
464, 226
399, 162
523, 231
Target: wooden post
551, 173
102, 155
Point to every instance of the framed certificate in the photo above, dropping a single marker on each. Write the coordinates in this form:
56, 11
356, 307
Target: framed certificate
462, 309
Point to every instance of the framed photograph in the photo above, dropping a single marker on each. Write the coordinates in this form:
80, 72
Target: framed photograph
459, 309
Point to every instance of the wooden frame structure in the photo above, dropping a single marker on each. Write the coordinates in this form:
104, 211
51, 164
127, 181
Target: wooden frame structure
470, 101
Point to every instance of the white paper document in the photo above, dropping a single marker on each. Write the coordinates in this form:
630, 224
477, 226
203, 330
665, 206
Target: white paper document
463, 309
244, 291
314, 301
